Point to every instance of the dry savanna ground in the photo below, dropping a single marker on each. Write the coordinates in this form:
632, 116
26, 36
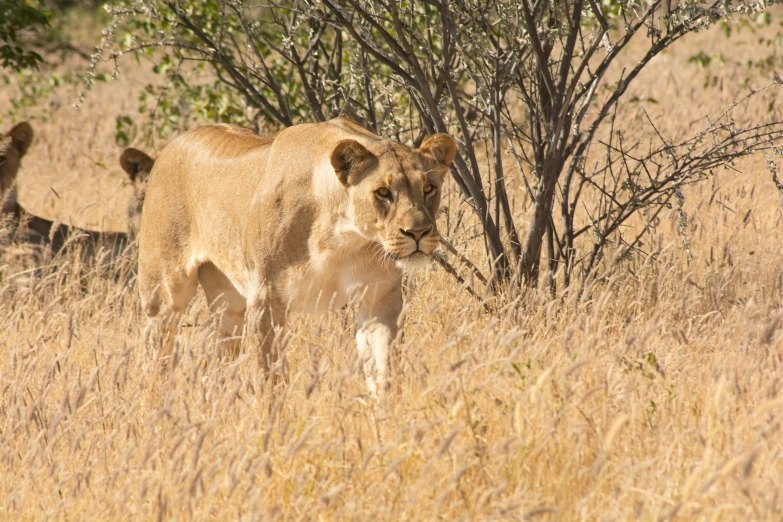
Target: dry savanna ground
659, 398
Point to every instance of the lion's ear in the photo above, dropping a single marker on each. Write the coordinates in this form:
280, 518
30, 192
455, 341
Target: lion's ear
441, 147
22, 137
136, 163
350, 159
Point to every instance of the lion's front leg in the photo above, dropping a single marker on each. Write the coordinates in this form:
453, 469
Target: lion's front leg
377, 327
265, 319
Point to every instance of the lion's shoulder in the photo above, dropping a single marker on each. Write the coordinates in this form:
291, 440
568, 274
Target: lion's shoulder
230, 133
352, 127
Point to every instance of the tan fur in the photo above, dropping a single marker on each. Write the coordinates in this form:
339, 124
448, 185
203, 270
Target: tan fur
296, 222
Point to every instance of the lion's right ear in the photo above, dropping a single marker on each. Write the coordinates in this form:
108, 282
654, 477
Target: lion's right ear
350, 159
136, 163
441, 147
22, 137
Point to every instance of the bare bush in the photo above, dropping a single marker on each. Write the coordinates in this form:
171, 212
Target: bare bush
518, 80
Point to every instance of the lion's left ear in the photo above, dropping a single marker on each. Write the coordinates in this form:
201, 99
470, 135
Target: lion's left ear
22, 137
441, 147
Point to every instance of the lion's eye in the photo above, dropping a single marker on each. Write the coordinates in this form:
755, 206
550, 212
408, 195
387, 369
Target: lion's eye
429, 189
383, 192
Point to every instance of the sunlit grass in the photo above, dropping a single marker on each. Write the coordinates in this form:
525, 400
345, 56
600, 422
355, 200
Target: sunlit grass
657, 397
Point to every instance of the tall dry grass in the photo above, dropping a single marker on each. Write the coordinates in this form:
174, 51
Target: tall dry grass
659, 398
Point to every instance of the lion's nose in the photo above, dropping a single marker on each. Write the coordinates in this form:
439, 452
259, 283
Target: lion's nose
416, 234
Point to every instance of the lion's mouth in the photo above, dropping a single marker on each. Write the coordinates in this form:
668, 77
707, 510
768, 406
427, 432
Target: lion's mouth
415, 255
417, 260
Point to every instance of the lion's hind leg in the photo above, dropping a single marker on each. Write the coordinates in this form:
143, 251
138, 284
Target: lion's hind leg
165, 296
229, 305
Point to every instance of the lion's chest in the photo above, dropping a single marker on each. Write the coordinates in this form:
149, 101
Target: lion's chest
327, 281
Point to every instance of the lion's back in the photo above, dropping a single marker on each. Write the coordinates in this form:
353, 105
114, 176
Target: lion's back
201, 183
205, 155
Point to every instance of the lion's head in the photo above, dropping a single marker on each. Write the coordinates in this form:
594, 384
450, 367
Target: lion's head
13, 145
138, 166
394, 194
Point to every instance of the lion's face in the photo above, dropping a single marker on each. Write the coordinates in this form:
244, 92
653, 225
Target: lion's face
138, 166
395, 195
13, 146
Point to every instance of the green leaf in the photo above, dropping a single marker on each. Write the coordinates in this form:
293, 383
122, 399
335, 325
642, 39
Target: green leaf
700, 59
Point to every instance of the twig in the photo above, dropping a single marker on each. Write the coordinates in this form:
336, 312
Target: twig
445, 242
441, 260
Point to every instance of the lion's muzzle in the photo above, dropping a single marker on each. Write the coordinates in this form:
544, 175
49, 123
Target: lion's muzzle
412, 247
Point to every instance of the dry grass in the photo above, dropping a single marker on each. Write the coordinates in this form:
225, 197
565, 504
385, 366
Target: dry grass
658, 399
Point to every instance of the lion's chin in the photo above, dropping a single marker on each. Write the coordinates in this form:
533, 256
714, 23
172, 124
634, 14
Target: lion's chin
416, 261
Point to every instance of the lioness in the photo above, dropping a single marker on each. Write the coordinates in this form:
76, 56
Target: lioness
308, 219
138, 166
29, 227
13, 146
